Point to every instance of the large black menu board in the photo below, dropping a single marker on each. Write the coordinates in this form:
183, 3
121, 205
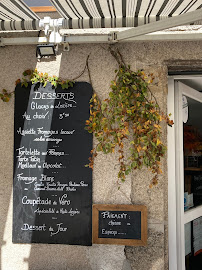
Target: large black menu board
52, 188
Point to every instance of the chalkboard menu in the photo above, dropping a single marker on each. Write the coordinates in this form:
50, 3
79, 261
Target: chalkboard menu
120, 224
52, 192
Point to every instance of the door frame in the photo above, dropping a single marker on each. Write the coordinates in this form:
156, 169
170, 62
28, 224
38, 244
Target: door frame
176, 216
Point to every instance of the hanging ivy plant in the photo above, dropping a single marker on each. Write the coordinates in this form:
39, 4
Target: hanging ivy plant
37, 77
5, 95
34, 76
132, 113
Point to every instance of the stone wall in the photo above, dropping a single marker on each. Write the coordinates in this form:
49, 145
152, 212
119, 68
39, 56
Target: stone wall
151, 56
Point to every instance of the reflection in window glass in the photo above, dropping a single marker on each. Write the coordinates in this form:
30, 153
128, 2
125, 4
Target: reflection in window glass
192, 130
193, 244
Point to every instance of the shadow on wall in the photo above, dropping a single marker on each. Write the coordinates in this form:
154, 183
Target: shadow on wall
67, 257
57, 256
14, 61
42, 256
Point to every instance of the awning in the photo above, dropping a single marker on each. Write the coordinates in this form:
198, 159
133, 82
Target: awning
141, 16
16, 15
81, 14
120, 13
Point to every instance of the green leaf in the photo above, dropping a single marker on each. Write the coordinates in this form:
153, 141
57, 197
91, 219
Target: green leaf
103, 107
153, 144
127, 172
71, 84
99, 147
133, 164
6, 99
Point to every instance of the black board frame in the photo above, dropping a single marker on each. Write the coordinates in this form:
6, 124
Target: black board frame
23, 95
125, 208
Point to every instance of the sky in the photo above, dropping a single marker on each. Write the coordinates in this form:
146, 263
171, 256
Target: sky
37, 3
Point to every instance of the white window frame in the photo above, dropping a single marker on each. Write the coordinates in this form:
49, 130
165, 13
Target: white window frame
176, 215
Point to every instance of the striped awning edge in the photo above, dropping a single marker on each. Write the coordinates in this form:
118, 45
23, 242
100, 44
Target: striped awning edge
81, 14
16, 15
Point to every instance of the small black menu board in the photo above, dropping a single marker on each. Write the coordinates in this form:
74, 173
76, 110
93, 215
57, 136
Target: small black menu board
52, 189
120, 224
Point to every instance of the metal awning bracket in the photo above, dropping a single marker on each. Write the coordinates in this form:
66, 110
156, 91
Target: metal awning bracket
112, 37
152, 27
65, 44
2, 44
51, 29
66, 47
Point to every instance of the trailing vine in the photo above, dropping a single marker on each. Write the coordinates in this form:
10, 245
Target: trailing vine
34, 76
131, 112
5, 95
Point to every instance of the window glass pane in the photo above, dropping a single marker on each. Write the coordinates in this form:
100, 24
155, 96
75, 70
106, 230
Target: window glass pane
192, 129
193, 244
